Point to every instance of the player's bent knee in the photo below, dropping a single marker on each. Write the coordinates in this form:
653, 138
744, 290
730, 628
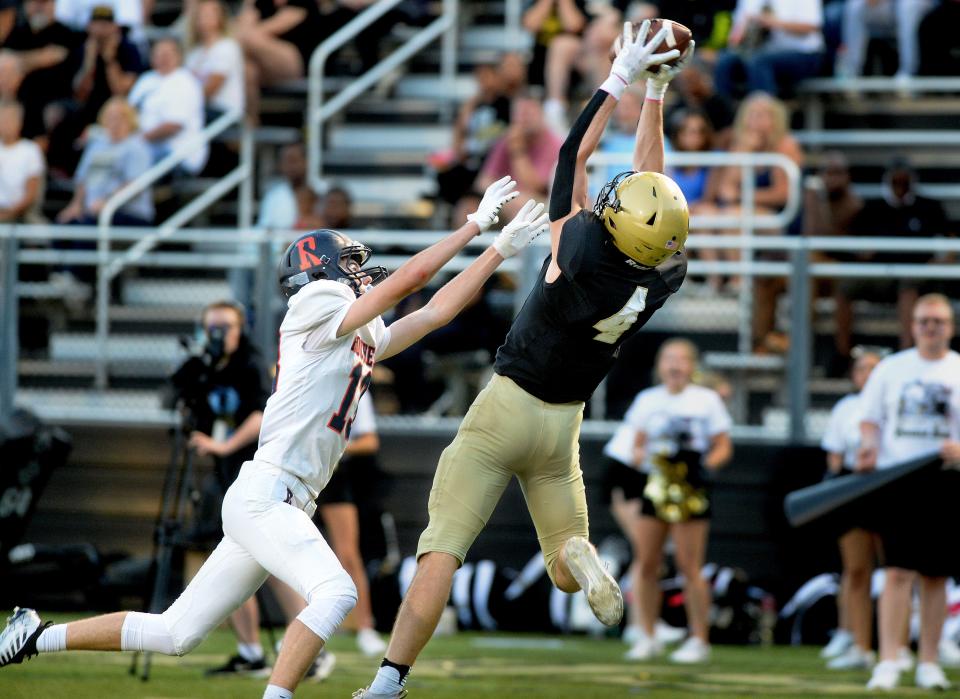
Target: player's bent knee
328, 605
150, 632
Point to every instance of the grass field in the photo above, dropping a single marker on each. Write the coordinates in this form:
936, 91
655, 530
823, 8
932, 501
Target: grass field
466, 666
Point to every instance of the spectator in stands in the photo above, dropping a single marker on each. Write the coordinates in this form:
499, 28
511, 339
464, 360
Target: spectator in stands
21, 167
513, 74
690, 131
550, 22
773, 45
859, 546
109, 68
130, 15
696, 91
214, 58
277, 37
336, 209
705, 20
911, 408
169, 101
938, 40
619, 139
830, 208
280, 206
681, 433
8, 17
528, 152
865, 18
45, 48
113, 157
11, 75
900, 212
761, 126
481, 121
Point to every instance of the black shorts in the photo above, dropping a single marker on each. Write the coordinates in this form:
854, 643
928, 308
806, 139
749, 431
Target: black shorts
351, 482
920, 516
859, 514
632, 482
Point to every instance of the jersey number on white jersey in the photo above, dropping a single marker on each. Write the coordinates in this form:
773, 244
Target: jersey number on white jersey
342, 420
616, 325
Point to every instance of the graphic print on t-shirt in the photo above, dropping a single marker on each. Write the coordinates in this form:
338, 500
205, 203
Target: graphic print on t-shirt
924, 410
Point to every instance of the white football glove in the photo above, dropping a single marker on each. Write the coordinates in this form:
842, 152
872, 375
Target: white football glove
657, 82
497, 194
635, 54
522, 230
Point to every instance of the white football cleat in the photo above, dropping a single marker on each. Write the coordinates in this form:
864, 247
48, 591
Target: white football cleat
840, 643
601, 590
949, 653
370, 643
930, 676
365, 693
886, 675
854, 659
18, 641
322, 666
644, 648
691, 652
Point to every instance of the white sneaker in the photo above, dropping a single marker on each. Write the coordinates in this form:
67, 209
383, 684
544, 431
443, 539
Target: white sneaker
949, 653
666, 634
601, 590
930, 676
692, 651
886, 675
645, 648
904, 659
854, 659
840, 643
631, 634
370, 643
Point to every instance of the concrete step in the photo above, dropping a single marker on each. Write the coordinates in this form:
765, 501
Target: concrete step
388, 137
434, 88
192, 294
394, 190
64, 406
162, 350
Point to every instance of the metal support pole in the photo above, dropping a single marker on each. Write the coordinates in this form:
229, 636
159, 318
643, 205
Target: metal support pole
448, 56
8, 352
265, 286
245, 205
801, 339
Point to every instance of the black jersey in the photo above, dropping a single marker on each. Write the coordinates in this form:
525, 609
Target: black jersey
569, 332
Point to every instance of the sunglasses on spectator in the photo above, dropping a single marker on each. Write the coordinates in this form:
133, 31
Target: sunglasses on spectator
931, 321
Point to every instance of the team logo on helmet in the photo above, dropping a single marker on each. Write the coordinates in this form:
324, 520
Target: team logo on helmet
326, 254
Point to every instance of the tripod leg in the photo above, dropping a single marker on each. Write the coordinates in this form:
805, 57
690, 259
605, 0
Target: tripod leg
133, 665
147, 657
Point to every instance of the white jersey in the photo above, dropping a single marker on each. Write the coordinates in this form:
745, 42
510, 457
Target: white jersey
365, 421
842, 435
916, 403
674, 421
320, 378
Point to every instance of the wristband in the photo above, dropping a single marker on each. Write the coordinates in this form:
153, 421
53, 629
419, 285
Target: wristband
614, 86
656, 92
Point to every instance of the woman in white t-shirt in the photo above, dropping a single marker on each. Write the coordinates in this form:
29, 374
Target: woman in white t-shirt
850, 647
680, 431
214, 58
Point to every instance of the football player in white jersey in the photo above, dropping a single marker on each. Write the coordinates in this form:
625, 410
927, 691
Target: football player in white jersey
329, 340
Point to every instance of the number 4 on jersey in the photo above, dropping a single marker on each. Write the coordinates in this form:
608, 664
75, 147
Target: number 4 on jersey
616, 325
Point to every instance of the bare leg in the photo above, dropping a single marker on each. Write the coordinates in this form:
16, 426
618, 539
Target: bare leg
246, 621
98, 633
856, 551
561, 56
342, 523
690, 539
627, 514
278, 60
933, 611
894, 611
421, 609
651, 534
300, 648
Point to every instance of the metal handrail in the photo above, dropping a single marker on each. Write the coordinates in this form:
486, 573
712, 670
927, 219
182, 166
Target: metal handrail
318, 112
240, 176
879, 84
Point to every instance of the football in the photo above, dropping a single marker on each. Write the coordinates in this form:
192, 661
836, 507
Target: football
679, 38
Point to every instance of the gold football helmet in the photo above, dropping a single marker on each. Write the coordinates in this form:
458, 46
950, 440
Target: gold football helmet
646, 214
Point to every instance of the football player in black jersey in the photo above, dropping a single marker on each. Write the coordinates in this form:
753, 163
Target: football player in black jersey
609, 269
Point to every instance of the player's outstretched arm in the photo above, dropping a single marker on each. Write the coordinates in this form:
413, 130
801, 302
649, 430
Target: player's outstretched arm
529, 223
648, 150
416, 273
